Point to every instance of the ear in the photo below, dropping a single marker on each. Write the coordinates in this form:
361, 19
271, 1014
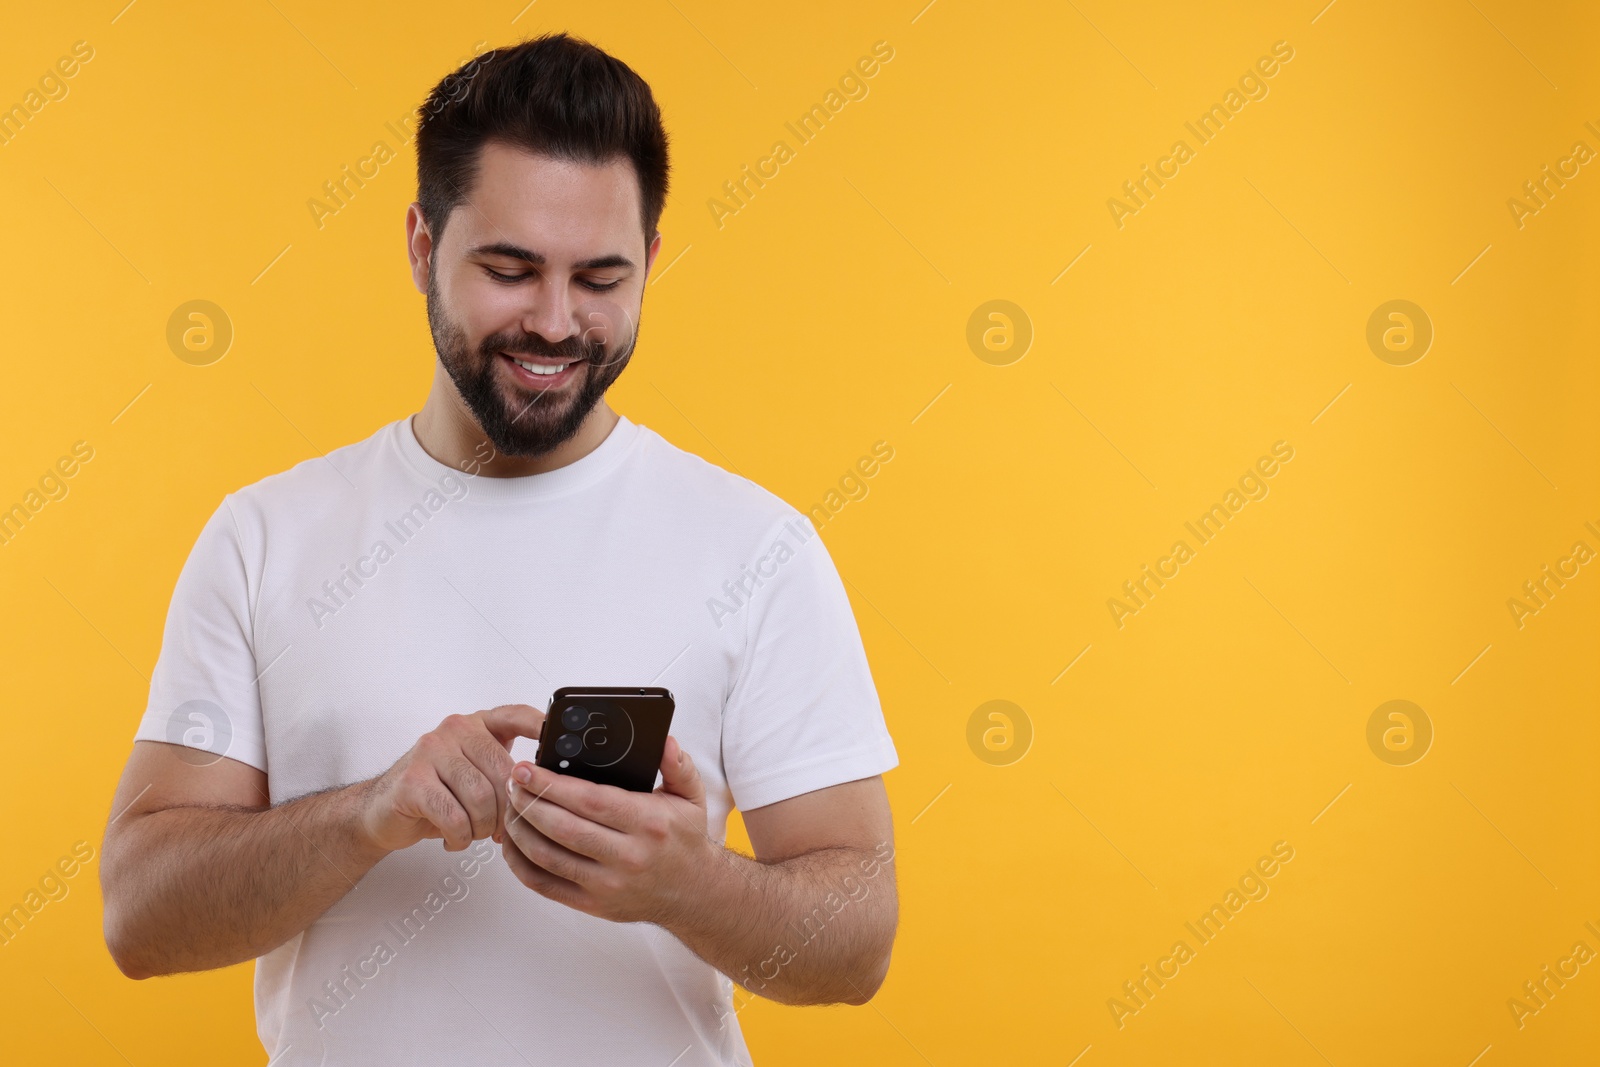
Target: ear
419, 247
650, 254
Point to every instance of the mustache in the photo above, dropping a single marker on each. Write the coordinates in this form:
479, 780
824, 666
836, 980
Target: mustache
572, 348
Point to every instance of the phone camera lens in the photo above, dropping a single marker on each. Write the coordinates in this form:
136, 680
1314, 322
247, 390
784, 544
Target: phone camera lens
574, 718
569, 745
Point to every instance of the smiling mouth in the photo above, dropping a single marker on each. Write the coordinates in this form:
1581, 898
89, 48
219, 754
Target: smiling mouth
540, 364
540, 372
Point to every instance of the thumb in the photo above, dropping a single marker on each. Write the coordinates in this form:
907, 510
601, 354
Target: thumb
679, 775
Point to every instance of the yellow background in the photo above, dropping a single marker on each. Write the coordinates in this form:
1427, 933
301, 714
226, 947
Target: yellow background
826, 315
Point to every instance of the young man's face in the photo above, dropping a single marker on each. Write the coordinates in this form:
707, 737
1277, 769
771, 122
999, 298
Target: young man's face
544, 262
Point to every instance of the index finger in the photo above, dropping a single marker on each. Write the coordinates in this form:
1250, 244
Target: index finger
510, 721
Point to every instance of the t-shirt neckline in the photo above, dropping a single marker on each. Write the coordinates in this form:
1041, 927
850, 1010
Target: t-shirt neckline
576, 475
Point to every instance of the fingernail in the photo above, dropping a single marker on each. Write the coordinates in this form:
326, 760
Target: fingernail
523, 773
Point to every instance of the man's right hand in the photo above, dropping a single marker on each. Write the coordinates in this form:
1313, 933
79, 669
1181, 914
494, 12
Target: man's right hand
452, 784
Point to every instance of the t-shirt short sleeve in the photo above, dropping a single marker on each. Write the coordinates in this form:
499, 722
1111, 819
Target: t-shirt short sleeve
203, 691
803, 713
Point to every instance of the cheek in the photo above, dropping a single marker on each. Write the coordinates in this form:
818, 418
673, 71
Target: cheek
605, 321
461, 309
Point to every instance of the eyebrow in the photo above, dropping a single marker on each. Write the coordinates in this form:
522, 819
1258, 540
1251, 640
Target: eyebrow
511, 251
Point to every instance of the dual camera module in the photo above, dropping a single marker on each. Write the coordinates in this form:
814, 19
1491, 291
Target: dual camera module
597, 733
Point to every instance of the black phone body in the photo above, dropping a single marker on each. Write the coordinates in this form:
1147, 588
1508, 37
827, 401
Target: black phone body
613, 735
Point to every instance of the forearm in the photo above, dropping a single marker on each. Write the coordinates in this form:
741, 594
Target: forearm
816, 929
194, 888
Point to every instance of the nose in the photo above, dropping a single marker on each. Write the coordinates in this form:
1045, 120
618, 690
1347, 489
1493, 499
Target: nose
549, 314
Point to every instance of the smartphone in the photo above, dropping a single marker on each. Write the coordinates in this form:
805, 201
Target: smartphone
614, 735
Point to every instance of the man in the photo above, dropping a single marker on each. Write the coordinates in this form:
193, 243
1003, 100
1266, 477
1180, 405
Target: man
338, 728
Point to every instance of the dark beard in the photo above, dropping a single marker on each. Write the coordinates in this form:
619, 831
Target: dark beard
531, 423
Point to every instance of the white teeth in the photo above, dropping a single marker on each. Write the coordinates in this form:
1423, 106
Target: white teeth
538, 368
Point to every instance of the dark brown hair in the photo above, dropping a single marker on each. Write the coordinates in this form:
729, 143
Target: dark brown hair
554, 95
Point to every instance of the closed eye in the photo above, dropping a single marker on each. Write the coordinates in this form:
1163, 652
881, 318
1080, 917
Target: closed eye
511, 279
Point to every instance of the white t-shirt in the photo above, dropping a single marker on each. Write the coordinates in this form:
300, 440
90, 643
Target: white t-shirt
330, 615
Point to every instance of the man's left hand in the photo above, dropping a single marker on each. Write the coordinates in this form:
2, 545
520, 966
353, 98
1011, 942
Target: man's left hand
607, 851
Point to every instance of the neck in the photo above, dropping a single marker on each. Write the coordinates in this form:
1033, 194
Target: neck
448, 432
